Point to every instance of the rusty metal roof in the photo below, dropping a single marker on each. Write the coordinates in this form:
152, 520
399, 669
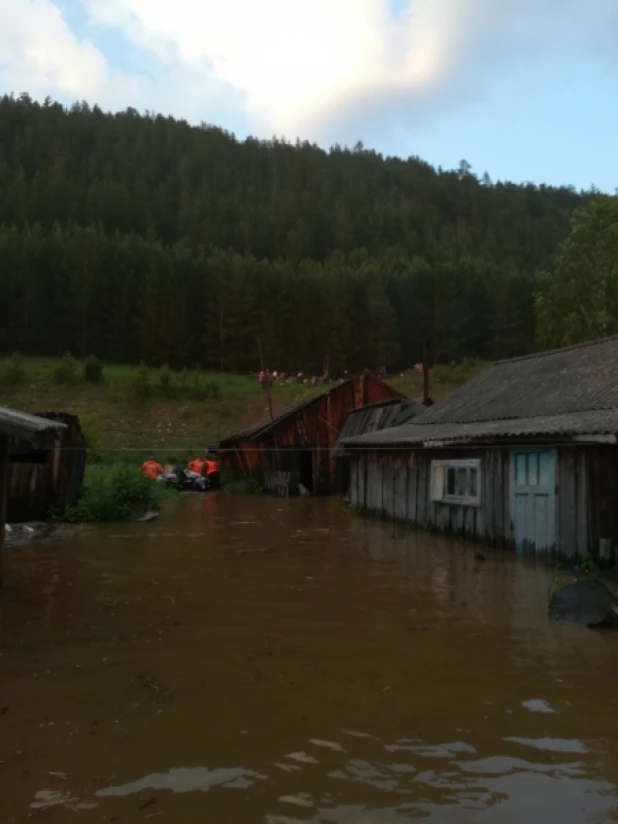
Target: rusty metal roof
561, 393
377, 417
26, 427
266, 423
279, 410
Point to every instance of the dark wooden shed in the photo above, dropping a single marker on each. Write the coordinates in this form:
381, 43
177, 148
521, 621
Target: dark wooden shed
41, 483
296, 448
32, 436
523, 456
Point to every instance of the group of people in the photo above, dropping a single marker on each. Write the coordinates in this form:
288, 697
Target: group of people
268, 378
204, 471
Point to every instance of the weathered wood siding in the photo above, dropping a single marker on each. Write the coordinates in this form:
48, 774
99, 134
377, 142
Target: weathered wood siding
397, 485
406, 494
602, 480
37, 489
574, 536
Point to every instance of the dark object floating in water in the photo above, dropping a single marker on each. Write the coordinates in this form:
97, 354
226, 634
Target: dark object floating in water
478, 556
588, 603
149, 516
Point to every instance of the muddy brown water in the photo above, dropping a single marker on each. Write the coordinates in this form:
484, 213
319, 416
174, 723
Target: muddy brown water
254, 660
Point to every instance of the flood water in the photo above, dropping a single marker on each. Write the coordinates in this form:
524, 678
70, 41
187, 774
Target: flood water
255, 660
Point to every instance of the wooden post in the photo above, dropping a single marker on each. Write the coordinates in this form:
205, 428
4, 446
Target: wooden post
426, 367
270, 404
4, 489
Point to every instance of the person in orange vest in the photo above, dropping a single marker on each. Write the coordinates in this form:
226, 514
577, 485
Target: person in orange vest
212, 472
197, 465
151, 468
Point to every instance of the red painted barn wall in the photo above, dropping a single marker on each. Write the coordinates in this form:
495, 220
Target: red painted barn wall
314, 426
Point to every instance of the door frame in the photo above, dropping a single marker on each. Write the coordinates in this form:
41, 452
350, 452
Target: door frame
553, 485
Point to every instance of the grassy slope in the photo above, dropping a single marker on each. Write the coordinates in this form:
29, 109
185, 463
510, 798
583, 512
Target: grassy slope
116, 419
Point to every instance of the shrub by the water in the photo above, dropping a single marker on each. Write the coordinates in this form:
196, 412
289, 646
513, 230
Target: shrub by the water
66, 371
13, 371
93, 370
115, 492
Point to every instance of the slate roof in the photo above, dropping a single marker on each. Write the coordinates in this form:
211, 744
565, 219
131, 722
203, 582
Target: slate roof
26, 427
562, 393
572, 426
578, 379
376, 417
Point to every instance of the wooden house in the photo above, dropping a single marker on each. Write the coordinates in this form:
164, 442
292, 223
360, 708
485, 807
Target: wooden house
295, 449
375, 417
28, 436
523, 456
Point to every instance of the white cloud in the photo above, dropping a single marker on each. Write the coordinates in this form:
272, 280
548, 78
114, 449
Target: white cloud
301, 63
40, 55
324, 69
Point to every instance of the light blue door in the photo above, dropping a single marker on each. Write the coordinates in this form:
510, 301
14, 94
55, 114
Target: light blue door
533, 500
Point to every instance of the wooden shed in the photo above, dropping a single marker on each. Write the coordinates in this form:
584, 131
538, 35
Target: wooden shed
296, 448
39, 484
32, 437
523, 456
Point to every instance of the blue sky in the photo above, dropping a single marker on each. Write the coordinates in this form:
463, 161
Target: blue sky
525, 90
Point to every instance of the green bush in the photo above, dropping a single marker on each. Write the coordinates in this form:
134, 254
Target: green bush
141, 384
196, 389
166, 381
13, 371
66, 371
115, 492
212, 389
183, 381
90, 424
93, 370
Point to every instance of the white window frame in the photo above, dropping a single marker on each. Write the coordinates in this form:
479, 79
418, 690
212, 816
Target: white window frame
438, 482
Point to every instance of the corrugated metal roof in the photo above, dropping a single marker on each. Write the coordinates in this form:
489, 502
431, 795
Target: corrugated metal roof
377, 417
26, 427
577, 379
570, 425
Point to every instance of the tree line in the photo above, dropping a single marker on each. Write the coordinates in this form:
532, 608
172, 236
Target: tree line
139, 237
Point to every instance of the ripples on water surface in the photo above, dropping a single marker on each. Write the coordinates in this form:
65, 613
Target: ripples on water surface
253, 660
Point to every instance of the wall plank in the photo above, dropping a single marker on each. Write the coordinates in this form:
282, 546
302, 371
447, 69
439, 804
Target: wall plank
401, 493
583, 529
566, 520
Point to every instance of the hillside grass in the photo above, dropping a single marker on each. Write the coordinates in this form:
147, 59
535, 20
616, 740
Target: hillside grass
120, 425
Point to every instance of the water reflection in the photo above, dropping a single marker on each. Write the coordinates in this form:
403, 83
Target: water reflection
185, 780
359, 675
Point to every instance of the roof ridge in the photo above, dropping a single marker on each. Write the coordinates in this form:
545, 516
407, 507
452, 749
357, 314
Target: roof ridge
547, 352
503, 418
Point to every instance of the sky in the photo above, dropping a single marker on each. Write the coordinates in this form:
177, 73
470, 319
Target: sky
525, 90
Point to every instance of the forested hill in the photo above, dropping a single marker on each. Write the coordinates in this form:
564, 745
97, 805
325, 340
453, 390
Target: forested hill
142, 237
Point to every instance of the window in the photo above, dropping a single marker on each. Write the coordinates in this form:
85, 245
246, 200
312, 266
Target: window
456, 482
